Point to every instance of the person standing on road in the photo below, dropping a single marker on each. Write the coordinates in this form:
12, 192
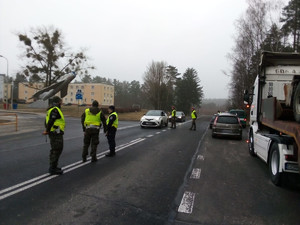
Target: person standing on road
173, 117
91, 122
112, 126
55, 127
194, 117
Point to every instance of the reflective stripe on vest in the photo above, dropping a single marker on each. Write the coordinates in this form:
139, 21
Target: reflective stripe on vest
92, 119
58, 122
174, 113
193, 114
116, 122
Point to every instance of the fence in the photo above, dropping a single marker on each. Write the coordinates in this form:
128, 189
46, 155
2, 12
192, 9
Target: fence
10, 122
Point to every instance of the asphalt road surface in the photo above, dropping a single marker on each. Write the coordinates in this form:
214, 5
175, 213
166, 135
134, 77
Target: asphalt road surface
159, 176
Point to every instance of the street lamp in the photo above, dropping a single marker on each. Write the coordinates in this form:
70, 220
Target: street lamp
12, 84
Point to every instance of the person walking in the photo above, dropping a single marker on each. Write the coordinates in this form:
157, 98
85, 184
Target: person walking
112, 126
91, 121
55, 127
173, 118
194, 117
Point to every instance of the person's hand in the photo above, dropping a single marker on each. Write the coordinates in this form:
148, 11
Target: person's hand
45, 133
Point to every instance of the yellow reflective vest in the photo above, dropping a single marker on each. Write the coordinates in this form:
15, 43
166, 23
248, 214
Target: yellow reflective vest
116, 122
92, 119
58, 122
174, 113
193, 114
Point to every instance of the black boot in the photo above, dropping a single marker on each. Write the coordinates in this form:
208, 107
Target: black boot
110, 154
55, 171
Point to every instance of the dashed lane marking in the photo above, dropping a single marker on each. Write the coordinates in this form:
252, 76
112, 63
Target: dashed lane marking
200, 157
187, 203
149, 136
157, 133
196, 173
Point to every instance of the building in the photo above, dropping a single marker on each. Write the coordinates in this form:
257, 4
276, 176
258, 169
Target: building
103, 93
1, 87
7, 91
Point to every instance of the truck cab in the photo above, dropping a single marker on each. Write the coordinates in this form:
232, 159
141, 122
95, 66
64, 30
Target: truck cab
274, 127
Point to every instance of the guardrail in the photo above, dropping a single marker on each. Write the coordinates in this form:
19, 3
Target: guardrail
9, 123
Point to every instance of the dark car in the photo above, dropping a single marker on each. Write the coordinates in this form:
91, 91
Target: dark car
180, 116
227, 124
212, 120
240, 114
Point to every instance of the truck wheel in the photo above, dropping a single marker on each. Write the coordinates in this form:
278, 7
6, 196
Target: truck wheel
274, 160
251, 144
296, 104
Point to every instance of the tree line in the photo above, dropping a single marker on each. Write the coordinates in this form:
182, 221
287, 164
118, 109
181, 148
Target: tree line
46, 58
267, 25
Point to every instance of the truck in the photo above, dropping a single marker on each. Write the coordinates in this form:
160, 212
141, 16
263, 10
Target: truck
274, 125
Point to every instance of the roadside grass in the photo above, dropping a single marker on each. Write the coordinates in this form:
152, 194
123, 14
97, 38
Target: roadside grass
75, 111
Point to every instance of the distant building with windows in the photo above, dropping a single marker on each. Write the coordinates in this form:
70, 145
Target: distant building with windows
7, 91
1, 87
103, 93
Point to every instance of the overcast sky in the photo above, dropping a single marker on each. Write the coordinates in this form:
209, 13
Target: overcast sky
124, 36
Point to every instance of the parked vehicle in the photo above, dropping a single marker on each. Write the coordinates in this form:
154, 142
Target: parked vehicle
227, 124
180, 116
154, 118
241, 114
274, 133
212, 121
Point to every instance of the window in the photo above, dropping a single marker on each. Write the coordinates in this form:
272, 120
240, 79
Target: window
82, 87
104, 88
77, 86
25, 98
71, 87
92, 93
92, 86
25, 92
66, 99
104, 94
71, 99
71, 93
104, 100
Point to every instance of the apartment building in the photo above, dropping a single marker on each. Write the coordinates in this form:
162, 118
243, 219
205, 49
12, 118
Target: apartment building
6, 91
103, 93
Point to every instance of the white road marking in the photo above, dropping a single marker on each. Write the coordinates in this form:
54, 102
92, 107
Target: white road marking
157, 133
200, 157
187, 203
164, 130
123, 128
149, 136
45, 177
196, 173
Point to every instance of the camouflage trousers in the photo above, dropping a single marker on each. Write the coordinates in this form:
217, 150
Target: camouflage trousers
91, 137
57, 144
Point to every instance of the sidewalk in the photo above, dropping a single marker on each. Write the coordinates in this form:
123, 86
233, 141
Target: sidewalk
26, 122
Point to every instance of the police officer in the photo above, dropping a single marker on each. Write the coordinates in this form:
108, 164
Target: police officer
112, 126
55, 126
91, 122
173, 117
194, 117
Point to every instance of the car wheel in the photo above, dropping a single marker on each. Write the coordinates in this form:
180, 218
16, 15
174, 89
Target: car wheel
251, 144
142, 127
274, 160
241, 137
213, 135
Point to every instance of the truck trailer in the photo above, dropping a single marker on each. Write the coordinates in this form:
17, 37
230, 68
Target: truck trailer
274, 133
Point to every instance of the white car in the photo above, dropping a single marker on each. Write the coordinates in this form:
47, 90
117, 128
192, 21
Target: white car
154, 118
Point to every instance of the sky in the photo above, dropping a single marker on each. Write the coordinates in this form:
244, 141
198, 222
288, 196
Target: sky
122, 37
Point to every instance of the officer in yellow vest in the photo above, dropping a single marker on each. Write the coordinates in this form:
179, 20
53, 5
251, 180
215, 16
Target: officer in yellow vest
194, 117
112, 126
55, 127
91, 122
173, 117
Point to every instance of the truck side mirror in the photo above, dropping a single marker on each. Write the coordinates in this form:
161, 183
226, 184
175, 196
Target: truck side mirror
246, 96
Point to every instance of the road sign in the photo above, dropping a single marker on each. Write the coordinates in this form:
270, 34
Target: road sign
78, 94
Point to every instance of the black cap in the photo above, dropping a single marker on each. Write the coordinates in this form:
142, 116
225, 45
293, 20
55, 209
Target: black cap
56, 99
112, 107
95, 103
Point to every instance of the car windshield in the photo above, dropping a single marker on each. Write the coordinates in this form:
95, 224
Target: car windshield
228, 120
238, 113
178, 113
153, 113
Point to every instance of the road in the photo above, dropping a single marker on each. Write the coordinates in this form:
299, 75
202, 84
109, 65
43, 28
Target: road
159, 176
